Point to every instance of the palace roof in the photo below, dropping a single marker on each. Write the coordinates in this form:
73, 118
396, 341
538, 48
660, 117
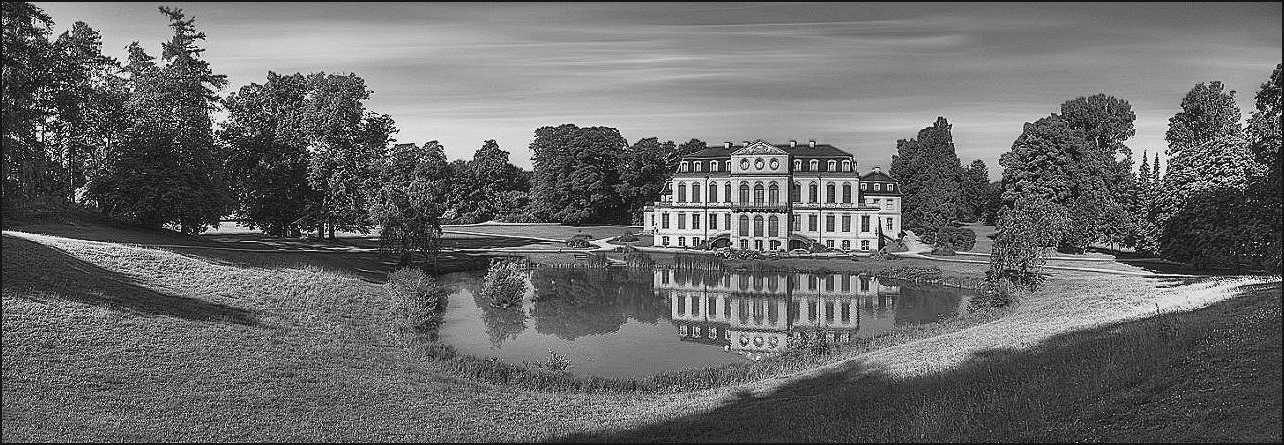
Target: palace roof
801, 150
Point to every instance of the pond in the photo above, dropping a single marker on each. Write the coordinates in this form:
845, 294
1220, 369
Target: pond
618, 322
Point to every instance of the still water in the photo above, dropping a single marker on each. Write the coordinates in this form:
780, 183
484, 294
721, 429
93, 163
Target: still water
631, 323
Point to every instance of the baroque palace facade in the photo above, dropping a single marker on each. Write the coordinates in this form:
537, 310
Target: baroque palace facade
770, 197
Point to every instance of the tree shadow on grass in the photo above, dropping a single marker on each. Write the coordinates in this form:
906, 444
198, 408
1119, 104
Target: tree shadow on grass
38, 272
1211, 374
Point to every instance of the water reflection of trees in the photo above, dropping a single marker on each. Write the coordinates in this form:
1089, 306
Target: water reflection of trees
501, 324
919, 304
572, 303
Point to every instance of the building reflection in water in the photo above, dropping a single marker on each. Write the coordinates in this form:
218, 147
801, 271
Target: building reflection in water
757, 314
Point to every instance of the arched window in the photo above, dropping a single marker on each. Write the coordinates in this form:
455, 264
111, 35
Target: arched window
797, 165
773, 226
829, 193
773, 193
813, 192
684, 166
744, 225
682, 192
847, 193
758, 196
726, 165
847, 165
695, 192
795, 192
815, 165
833, 165
713, 166
744, 192
713, 193
757, 226
726, 192
891, 187
696, 165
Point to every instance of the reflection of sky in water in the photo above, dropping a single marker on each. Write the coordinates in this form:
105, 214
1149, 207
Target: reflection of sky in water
628, 323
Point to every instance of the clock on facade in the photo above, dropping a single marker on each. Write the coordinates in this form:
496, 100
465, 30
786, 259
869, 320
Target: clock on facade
757, 163
775, 164
744, 164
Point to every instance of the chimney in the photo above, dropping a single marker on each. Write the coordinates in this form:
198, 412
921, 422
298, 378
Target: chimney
746, 143
811, 143
726, 145
793, 143
876, 170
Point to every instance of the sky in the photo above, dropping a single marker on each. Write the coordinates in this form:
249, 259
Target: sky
857, 76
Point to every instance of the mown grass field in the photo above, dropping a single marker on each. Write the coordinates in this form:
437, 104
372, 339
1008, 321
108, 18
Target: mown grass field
108, 342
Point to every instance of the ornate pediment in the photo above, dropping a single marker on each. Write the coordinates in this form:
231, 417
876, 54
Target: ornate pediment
760, 148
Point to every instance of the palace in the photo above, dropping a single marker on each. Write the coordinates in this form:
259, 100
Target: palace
769, 197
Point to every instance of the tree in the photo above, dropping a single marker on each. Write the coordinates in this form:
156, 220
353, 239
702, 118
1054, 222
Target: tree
1106, 123
928, 170
644, 169
576, 175
26, 60
1264, 130
1025, 231
406, 204
974, 182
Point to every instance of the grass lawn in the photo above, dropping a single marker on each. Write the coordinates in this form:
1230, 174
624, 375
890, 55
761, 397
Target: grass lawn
108, 342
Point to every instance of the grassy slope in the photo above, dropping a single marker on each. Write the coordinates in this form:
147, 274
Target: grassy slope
108, 342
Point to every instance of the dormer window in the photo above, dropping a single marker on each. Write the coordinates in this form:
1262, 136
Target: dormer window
890, 187
727, 165
797, 165
696, 165
847, 166
864, 186
713, 166
815, 165
833, 165
684, 166
876, 186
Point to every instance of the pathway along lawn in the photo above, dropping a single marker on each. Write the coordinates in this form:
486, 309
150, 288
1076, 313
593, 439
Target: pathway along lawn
105, 342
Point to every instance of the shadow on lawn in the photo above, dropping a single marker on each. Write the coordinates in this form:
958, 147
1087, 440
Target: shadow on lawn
35, 271
1206, 375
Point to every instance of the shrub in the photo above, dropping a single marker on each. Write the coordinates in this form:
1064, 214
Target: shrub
817, 248
943, 248
959, 239
505, 284
626, 238
994, 293
417, 299
557, 362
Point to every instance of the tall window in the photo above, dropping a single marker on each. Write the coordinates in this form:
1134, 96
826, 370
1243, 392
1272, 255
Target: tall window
726, 192
889, 224
695, 221
728, 221
847, 193
813, 192
713, 193
758, 194
811, 223
773, 226
682, 193
757, 226
829, 193
664, 220
682, 220
744, 225
864, 223
744, 192
773, 193
796, 222
829, 223
795, 192
695, 192
847, 223
713, 222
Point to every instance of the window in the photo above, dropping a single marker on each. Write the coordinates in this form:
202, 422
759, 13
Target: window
757, 226
744, 243
759, 196
811, 223
833, 165
682, 221
815, 165
891, 187
864, 186
695, 192
695, 221
876, 185
726, 192
795, 192
757, 245
695, 241
728, 221
889, 224
773, 226
864, 223
830, 244
797, 165
812, 192
744, 192
664, 220
847, 165
847, 193
664, 241
890, 205
713, 193
744, 225
726, 164
696, 165
684, 166
847, 245
682, 193
829, 193
682, 242
847, 223
796, 222
773, 193
713, 222
864, 245
829, 224
713, 166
